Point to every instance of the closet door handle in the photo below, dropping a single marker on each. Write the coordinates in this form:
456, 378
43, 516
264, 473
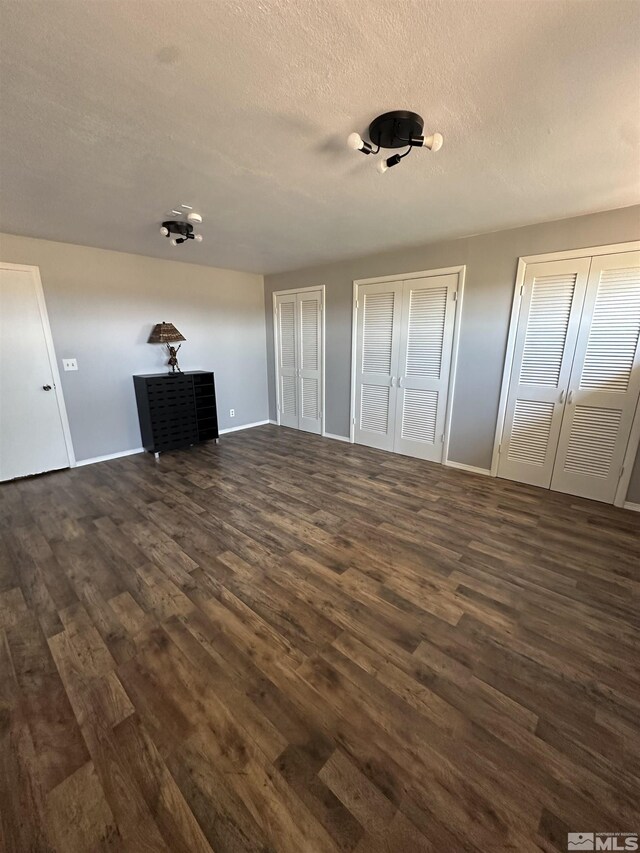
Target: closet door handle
570, 397
562, 396
399, 381
393, 381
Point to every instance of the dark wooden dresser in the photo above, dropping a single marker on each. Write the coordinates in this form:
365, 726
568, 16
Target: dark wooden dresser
176, 409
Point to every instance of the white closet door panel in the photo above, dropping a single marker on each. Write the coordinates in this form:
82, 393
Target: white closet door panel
31, 432
377, 340
309, 321
548, 323
605, 381
427, 323
287, 360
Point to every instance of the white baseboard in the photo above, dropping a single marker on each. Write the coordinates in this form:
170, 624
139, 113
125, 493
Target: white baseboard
336, 437
470, 468
631, 506
275, 423
244, 426
81, 462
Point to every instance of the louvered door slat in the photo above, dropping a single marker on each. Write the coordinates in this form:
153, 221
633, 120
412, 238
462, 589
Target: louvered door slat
613, 336
419, 415
310, 328
546, 333
287, 335
604, 383
426, 328
377, 344
532, 421
547, 330
374, 412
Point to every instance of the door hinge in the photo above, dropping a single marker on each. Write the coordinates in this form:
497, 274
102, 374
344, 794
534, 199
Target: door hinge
455, 295
621, 472
353, 420
442, 439
357, 303
521, 289
499, 449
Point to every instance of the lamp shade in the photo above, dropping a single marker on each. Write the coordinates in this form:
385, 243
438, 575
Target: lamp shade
165, 333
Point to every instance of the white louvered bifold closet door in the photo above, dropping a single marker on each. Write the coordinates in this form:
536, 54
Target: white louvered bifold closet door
287, 359
377, 342
428, 315
548, 323
605, 381
309, 327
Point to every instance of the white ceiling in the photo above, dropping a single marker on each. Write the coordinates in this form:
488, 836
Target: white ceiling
113, 111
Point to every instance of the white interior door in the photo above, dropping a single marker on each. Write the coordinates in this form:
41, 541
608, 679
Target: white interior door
379, 308
548, 323
287, 359
309, 335
31, 432
300, 354
605, 381
428, 317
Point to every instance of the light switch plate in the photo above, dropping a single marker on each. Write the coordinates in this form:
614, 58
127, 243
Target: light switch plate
70, 363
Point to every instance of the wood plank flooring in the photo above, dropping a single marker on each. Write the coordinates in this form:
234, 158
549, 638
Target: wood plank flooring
285, 643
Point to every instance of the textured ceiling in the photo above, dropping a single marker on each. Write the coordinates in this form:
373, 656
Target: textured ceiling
113, 112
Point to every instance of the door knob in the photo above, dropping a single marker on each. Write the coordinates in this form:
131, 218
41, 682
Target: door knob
46, 387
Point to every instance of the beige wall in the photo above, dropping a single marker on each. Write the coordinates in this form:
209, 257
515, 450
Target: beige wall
102, 306
491, 261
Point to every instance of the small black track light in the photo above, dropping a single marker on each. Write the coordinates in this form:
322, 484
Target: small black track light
179, 231
397, 129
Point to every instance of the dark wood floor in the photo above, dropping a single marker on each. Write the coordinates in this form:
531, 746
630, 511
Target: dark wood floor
286, 643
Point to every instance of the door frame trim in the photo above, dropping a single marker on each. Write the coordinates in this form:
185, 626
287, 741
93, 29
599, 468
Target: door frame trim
51, 352
323, 313
634, 437
460, 270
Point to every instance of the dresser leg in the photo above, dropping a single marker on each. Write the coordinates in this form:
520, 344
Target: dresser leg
157, 456
217, 441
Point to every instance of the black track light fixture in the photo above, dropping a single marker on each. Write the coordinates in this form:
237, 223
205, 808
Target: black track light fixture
397, 129
180, 230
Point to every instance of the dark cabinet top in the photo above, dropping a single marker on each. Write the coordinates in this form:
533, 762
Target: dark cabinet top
168, 374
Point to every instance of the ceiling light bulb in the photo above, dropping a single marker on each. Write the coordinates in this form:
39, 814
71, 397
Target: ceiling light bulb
194, 217
355, 141
383, 165
434, 142
198, 238
164, 231
174, 242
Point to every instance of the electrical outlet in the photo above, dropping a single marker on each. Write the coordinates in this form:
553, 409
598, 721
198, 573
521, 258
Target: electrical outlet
70, 363
232, 413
